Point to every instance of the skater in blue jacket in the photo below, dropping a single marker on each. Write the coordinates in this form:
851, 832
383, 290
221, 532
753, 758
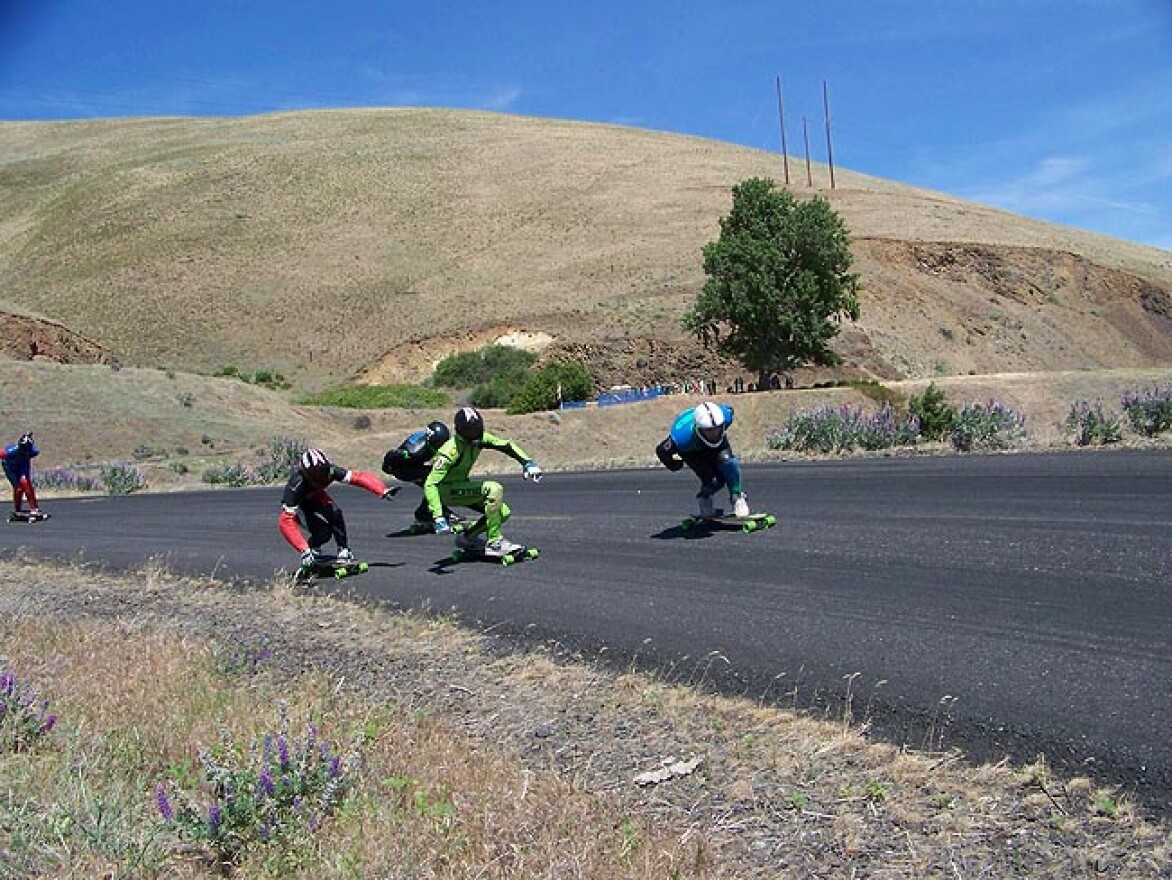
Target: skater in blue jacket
699, 439
18, 465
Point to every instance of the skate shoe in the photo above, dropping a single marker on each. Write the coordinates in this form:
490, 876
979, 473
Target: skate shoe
740, 503
502, 546
344, 556
704, 506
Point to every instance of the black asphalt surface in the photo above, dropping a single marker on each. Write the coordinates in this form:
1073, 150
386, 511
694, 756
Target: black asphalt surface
1009, 605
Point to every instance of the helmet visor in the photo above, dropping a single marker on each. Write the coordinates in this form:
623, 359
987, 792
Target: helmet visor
711, 435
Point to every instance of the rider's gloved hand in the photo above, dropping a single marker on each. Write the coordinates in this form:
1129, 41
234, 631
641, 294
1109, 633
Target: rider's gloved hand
530, 471
307, 557
441, 526
390, 493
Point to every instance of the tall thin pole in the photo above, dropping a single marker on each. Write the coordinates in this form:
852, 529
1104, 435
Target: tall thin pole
829, 148
781, 125
806, 138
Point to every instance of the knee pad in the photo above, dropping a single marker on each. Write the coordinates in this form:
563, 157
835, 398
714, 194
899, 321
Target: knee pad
493, 494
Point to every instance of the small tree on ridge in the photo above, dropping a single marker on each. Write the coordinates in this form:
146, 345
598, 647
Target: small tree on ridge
778, 282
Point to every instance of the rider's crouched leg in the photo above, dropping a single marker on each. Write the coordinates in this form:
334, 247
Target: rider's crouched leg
495, 509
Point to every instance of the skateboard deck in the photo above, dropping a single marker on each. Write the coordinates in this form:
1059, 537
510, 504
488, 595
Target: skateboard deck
520, 555
754, 522
26, 516
337, 570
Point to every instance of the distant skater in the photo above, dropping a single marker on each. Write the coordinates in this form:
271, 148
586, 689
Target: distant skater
18, 466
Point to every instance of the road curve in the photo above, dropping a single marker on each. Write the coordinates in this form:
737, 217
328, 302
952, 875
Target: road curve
1008, 605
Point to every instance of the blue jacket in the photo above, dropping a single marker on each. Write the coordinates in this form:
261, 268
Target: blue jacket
18, 460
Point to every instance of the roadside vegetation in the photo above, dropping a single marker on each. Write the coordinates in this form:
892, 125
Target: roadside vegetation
220, 732
971, 427
503, 377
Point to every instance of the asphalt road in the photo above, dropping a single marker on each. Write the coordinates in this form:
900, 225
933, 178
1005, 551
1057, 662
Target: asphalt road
1006, 605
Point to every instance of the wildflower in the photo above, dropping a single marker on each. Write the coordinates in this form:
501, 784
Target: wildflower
164, 803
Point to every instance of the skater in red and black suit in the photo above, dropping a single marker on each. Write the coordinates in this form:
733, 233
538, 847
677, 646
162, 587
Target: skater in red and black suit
305, 497
18, 465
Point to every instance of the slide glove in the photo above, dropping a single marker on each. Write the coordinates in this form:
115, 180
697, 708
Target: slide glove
441, 526
308, 557
531, 471
391, 492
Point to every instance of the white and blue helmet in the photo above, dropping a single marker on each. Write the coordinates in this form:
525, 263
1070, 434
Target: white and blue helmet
710, 424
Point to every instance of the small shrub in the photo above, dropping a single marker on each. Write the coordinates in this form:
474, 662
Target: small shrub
121, 479
283, 455
839, 429
987, 426
380, 397
235, 474
934, 413
186, 399
553, 383
1091, 426
24, 717
1149, 412
472, 368
66, 478
275, 794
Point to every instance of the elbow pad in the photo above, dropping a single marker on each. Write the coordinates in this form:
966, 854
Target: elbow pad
666, 452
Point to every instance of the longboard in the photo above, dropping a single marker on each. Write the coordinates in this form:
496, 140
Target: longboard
520, 555
331, 569
754, 522
26, 516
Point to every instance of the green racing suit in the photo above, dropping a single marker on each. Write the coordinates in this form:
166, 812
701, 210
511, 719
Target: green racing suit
450, 483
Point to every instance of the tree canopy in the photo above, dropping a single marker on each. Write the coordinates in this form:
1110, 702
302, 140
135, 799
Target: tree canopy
779, 284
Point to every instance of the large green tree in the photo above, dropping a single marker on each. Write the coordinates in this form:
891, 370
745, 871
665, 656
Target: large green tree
779, 284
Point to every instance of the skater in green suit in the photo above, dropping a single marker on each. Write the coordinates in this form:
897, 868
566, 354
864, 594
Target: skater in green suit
449, 484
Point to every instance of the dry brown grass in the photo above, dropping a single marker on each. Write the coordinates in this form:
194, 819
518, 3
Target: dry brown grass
491, 763
328, 245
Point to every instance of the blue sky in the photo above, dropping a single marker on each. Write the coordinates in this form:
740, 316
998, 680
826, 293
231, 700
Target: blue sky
1057, 110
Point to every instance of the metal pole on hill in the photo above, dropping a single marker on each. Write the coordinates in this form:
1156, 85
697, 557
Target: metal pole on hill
806, 138
829, 148
781, 125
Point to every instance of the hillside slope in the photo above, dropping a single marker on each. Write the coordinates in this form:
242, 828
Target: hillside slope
343, 244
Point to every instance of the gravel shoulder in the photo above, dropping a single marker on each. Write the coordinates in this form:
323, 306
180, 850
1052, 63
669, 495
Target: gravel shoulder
772, 793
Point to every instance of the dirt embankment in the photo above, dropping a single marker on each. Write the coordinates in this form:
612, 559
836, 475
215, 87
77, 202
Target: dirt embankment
34, 339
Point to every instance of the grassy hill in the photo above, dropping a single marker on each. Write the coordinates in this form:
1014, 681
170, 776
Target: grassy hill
363, 245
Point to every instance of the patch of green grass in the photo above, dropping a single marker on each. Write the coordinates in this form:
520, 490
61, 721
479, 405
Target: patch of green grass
379, 397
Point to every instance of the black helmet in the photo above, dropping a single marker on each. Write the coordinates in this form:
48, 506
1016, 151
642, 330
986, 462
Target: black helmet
437, 435
26, 439
315, 467
469, 424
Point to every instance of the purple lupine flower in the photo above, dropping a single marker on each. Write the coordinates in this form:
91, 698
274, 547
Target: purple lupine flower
48, 723
265, 785
283, 752
164, 803
335, 767
214, 819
